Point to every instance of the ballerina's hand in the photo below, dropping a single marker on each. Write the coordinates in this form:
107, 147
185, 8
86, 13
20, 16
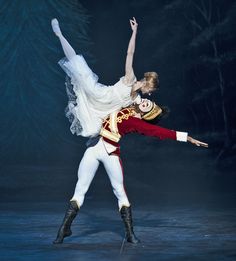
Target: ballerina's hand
133, 24
197, 142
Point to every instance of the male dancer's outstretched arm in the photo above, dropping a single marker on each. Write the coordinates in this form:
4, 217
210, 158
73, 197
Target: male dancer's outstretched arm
134, 120
134, 124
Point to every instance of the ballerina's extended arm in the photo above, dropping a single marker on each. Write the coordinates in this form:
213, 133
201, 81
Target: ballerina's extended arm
67, 48
129, 72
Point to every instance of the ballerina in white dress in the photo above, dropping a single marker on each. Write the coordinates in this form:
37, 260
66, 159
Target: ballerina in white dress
89, 101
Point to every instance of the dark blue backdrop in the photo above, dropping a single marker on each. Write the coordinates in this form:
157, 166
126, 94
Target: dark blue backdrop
191, 45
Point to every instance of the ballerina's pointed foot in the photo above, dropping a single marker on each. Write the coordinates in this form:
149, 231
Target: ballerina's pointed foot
55, 27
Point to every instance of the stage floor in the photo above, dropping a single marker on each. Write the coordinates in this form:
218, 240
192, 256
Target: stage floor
167, 233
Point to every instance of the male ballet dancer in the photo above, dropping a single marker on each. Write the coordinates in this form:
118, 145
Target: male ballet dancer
106, 149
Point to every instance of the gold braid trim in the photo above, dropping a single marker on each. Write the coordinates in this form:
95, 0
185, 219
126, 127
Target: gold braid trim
111, 123
125, 115
109, 135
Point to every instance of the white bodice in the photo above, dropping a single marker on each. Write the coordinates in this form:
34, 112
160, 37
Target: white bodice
93, 101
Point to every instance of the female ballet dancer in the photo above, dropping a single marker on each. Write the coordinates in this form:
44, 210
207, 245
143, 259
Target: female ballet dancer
89, 101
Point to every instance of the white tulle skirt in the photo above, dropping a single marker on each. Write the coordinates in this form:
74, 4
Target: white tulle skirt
89, 101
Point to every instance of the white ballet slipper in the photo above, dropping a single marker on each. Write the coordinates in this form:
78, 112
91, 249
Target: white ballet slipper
55, 27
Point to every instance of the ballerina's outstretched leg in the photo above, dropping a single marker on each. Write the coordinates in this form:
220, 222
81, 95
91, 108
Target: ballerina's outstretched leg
67, 48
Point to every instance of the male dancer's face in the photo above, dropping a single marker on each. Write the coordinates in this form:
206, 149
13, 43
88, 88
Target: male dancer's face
145, 105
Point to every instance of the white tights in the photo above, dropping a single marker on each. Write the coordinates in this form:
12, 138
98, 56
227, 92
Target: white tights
67, 48
88, 167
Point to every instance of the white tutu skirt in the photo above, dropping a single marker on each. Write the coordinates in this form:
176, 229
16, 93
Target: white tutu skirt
89, 101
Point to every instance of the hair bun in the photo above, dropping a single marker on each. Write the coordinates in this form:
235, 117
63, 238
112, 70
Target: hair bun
152, 79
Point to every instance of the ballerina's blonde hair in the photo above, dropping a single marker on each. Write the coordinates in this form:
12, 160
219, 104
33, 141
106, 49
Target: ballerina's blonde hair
152, 79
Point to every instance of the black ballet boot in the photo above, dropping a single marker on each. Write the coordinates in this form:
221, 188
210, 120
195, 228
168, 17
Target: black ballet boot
126, 215
64, 230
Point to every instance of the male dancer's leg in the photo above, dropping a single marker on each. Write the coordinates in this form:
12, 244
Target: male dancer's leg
114, 170
86, 172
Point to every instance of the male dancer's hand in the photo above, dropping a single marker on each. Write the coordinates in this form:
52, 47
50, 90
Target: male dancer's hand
197, 142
